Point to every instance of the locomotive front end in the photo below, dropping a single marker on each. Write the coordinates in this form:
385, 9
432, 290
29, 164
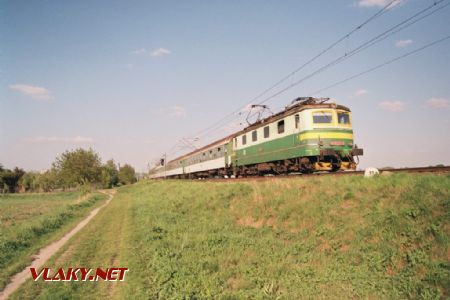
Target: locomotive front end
330, 139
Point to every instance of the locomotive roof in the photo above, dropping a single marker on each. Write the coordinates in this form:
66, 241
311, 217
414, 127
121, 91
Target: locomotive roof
289, 110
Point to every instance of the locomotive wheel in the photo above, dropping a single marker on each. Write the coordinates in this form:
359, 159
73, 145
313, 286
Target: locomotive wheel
306, 167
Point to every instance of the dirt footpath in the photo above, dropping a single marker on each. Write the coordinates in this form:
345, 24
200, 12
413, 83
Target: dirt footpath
48, 251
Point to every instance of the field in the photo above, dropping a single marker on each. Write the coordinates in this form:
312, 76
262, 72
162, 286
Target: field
30, 221
321, 237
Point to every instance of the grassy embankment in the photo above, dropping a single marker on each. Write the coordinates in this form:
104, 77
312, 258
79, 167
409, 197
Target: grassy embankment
29, 222
327, 237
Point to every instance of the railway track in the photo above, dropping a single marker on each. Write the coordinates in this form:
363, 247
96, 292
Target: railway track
445, 169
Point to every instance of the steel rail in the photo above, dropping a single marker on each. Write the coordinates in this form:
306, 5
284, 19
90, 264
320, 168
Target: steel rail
444, 169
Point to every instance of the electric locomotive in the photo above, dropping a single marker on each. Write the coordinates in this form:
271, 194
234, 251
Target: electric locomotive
309, 135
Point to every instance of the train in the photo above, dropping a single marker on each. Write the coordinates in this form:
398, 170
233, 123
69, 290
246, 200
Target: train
309, 135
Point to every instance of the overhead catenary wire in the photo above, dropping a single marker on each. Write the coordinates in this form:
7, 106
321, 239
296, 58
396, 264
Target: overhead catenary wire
379, 13
400, 26
372, 69
378, 38
233, 115
358, 49
384, 35
331, 46
381, 65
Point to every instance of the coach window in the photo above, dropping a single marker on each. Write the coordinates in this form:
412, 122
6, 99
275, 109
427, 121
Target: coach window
244, 139
266, 132
297, 120
254, 135
280, 126
218, 149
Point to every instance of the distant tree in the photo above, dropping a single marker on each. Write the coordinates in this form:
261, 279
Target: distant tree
127, 174
30, 181
78, 167
2, 184
109, 174
11, 179
49, 181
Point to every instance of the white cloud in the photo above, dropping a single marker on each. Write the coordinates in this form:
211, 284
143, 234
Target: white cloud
378, 3
360, 92
63, 140
177, 111
394, 106
154, 53
139, 51
159, 52
438, 103
370, 3
35, 92
403, 43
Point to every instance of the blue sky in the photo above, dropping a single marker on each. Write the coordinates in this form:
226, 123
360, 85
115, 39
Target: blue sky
131, 78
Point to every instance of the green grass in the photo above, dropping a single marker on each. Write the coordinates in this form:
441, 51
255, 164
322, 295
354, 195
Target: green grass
327, 237
28, 222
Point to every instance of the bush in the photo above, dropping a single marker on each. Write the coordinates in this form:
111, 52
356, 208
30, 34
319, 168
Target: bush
127, 175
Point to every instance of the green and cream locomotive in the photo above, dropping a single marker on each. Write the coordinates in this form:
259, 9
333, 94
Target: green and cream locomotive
309, 135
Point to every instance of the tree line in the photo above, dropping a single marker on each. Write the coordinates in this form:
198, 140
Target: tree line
74, 169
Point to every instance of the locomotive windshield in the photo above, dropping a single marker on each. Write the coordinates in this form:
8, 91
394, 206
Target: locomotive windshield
343, 118
322, 118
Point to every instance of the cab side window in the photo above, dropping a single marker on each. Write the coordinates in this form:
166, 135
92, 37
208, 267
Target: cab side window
266, 132
280, 126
